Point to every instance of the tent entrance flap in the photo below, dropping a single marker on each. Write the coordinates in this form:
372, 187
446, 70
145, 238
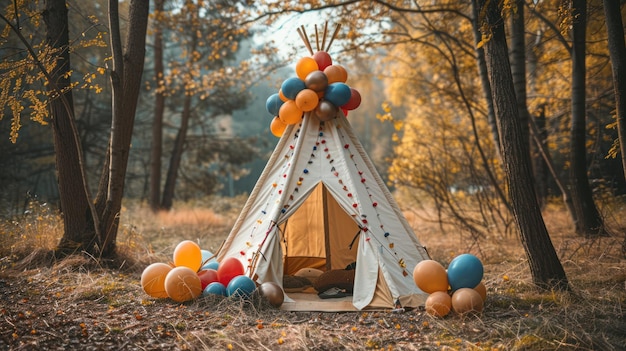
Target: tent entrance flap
318, 235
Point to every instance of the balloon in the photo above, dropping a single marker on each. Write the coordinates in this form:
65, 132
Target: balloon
211, 265
273, 104
345, 112
325, 110
188, 254
228, 269
182, 284
336, 73
215, 288
355, 100
482, 290
291, 87
273, 293
323, 59
466, 300
316, 81
338, 93
282, 96
277, 127
153, 279
438, 304
207, 255
465, 271
304, 66
430, 276
240, 286
207, 276
307, 100
290, 113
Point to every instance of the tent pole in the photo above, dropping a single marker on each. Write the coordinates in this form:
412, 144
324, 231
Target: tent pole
326, 227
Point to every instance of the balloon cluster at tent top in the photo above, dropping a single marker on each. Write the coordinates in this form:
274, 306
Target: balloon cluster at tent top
319, 88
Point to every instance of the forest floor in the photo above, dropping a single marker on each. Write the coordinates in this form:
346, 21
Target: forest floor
81, 303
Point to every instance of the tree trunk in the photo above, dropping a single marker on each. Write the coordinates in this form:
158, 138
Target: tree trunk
518, 64
159, 108
588, 220
545, 267
126, 83
176, 157
73, 198
617, 51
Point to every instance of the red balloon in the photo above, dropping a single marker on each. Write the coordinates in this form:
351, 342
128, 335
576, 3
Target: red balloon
323, 59
228, 269
207, 277
355, 100
345, 112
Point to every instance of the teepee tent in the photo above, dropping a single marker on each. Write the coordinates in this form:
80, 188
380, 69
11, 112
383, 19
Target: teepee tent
320, 203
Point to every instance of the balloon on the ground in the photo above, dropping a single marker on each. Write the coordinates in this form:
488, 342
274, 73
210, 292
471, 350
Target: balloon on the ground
215, 288
291, 87
207, 276
289, 113
306, 65
240, 286
467, 300
187, 253
465, 271
438, 304
211, 265
273, 293
430, 276
355, 100
273, 104
182, 284
153, 279
482, 290
277, 127
316, 81
323, 59
229, 268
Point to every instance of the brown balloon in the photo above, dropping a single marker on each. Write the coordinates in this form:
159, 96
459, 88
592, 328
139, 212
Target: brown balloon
316, 81
467, 300
325, 110
273, 293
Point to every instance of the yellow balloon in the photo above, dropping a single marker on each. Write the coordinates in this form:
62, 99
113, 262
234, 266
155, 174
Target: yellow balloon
188, 254
182, 284
282, 96
438, 304
153, 279
277, 127
336, 73
430, 276
289, 113
305, 66
307, 100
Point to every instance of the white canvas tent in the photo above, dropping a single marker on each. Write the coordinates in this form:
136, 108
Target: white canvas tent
320, 203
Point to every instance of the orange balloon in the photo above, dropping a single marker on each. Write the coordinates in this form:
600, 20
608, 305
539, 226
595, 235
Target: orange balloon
430, 276
305, 66
289, 113
467, 300
182, 284
277, 127
482, 290
153, 279
307, 100
336, 73
282, 96
188, 254
438, 304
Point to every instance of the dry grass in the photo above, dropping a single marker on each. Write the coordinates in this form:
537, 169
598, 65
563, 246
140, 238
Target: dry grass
77, 303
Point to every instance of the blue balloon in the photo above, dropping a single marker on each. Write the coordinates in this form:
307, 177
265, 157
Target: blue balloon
291, 87
240, 286
214, 288
338, 94
465, 271
273, 104
211, 265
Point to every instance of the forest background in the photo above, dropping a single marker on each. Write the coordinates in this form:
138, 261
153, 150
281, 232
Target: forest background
201, 131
